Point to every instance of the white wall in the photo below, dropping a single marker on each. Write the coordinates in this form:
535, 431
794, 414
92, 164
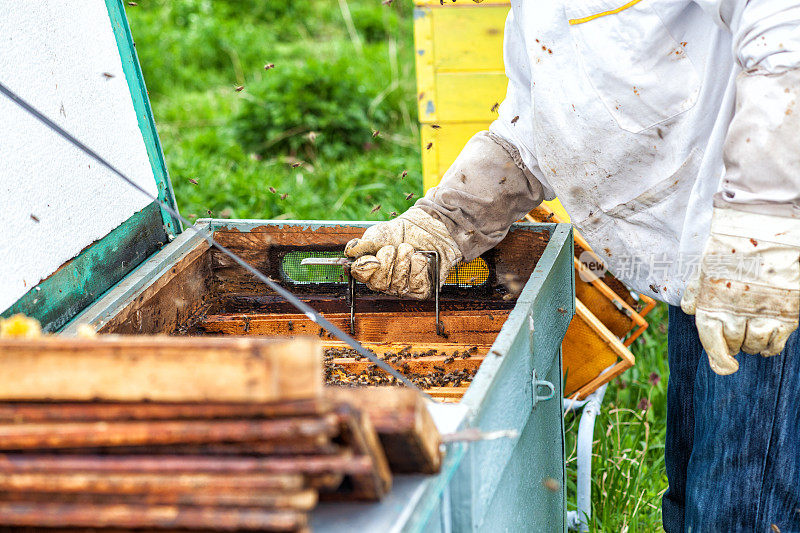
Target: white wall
53, 54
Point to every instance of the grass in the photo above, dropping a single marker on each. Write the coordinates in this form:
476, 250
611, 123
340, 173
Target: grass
344, 69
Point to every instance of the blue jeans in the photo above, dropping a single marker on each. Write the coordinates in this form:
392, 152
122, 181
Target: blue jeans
733, 442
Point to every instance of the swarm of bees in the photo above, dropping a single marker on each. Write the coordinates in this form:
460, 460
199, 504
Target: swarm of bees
440, 376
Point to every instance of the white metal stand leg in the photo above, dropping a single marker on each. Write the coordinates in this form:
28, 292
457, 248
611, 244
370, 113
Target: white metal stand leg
579, 520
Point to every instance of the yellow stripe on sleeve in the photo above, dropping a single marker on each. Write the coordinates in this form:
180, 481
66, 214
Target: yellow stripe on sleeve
572, 22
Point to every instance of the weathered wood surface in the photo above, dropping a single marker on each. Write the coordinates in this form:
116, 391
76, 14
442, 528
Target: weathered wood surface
406, 429
462, 327
341, 462
120, 411
358, 435
148, 517
54, 435
170, 301
148, 483
301, 500
160, 369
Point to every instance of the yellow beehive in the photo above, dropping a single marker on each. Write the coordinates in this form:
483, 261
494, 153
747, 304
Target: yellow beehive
460, 78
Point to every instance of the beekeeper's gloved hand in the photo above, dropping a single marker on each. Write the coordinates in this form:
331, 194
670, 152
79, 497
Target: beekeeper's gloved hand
747, 295
485, 190
390, 259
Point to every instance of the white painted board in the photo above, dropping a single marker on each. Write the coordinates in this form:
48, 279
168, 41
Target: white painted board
55, 54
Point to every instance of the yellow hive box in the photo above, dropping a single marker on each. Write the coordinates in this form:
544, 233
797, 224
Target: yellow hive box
460, 78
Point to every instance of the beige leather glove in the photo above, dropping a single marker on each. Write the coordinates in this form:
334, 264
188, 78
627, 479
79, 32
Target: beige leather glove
389, 258
747, 294
483, 192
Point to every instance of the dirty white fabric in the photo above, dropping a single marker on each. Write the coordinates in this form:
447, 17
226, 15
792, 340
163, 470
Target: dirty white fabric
464, 201
747, 295
624, 117
389, 258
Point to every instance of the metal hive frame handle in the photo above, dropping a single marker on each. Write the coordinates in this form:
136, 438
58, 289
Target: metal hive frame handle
351, 283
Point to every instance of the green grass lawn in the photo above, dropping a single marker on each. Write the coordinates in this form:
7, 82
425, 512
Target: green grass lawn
327, 134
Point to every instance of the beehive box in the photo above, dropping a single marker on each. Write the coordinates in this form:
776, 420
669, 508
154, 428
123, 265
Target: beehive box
512, 335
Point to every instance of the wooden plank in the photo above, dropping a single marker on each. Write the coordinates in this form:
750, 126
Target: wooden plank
469, 328
148, 517
358, 434
406, 429
302, 500
341, 462
119, 411
146, 483
81, 280
56, 435
161, 369
297, 444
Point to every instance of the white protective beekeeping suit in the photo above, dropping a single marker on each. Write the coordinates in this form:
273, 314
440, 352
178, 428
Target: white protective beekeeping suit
625, 111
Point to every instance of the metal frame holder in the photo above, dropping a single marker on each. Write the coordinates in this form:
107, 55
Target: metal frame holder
347, 263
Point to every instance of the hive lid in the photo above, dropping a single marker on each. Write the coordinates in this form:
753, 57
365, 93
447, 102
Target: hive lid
71, 228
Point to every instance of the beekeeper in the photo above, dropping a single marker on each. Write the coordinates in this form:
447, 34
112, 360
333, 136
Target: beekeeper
670, 131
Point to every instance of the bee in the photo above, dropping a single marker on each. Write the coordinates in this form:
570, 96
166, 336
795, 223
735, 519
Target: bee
108, 75
404, 174
209, 212
409, 196
272, 190
502, 180
295, 165
470, 232
435, 126
393, 214
376, 133
239, 88
551, 484
549, 217
449, 360
269, 66
562, 310
34, 218
284, 196
193, 181
376, 208
430, 145
495, 107
515, 119
290, 325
